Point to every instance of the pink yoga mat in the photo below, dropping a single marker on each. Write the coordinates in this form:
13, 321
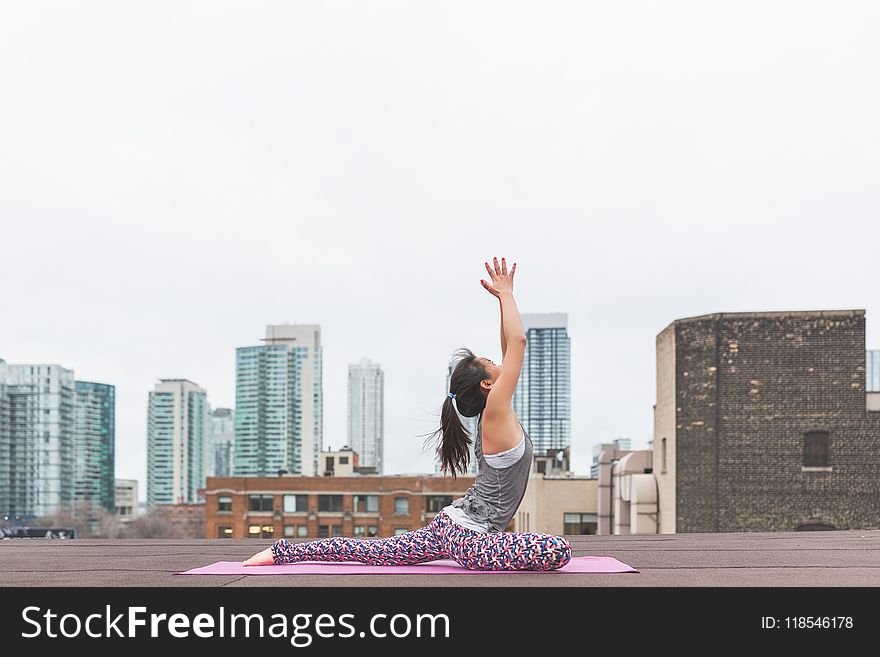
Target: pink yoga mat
440, 567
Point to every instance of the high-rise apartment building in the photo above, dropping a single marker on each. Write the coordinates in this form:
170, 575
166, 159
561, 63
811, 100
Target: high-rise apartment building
220, 454
542, 399
177, 426
36, 439
366, 384
279, 403
95, 444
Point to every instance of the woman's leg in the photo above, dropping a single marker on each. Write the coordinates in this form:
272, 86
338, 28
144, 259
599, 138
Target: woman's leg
503, 550
412, 547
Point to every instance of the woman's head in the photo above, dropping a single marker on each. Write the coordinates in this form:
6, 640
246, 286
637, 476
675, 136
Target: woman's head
472, 379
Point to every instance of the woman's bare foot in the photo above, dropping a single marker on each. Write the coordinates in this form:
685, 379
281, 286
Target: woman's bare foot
263, 558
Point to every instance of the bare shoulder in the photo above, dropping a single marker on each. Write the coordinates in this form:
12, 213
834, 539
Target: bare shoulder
501, 430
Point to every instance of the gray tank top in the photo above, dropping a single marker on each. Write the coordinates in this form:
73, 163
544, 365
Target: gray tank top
496, 492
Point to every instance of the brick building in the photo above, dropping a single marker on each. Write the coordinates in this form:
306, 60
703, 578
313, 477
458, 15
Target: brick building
317, 507
762, 424
188, 520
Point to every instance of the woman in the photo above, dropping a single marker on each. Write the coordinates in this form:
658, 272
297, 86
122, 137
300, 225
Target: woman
471, 529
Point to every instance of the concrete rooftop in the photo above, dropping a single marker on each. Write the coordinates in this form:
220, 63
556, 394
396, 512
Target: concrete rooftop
832, 558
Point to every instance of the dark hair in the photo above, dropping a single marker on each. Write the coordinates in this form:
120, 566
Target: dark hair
452, 447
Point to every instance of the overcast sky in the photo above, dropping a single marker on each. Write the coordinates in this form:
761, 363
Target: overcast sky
176, 175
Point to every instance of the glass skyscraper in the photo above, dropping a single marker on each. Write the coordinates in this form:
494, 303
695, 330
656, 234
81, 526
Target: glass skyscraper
279, 403
366, 385
177, 426
36, 439
542, 399
94, 444
873, 370
221, 443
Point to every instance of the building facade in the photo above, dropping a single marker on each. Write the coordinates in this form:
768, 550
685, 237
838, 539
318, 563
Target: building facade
177, 426
95, 444
279, 403
366, 413
298, 507
36, 439
762, 424
562, 505
185, 520
220, 455
542, 399
126, 496
341, 463
620, 444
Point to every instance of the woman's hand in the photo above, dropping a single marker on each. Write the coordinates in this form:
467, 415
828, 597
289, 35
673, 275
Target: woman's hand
501, 281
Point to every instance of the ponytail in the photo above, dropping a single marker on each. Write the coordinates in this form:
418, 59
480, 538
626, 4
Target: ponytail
453, 448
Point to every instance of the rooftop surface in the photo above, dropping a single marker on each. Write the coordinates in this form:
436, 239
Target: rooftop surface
832, 558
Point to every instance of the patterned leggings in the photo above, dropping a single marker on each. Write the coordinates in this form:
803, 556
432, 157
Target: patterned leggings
441, 539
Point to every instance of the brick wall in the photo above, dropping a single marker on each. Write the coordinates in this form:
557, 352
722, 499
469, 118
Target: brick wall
748, 385
416, 489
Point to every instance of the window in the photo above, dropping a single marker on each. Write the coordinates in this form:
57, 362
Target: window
401, 505
579, 523
343, 460
224, 531
330, 503
816, 527
224, 503
328, 466
663, 454
302, 531
359, 531
261, 531
366, 503
436, 503
323, 531
289, 531
259, 502
336, 530
816, 449
372, 530
296, 503
400, 530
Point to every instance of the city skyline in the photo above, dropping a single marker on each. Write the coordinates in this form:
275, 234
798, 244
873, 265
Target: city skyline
220, 424
239, 177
